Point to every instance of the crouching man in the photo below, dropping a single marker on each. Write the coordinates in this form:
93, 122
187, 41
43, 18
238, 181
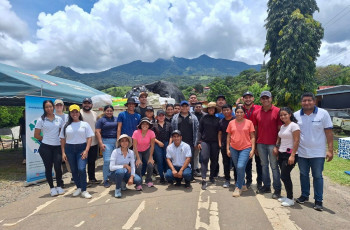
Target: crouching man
178, 156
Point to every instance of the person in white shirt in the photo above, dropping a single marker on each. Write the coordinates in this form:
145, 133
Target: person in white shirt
76, 138
178, 156
122, 166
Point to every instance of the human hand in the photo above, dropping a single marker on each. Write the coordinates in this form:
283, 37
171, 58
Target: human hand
138, 162
128, 168
291, 160
329, 156
251, 154
84, 155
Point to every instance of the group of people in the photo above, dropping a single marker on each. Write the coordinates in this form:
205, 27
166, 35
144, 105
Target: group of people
179, 142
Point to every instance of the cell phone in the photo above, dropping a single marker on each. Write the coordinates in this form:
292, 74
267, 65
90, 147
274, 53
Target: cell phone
289, 150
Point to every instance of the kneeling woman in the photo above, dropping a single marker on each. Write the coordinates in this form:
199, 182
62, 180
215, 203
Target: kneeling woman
76, 137
122, 165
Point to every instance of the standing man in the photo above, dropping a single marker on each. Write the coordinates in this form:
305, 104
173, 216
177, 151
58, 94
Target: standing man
141, 109
128, 120
267, 124
188, 124
198, 112
90, 117
193, 100
178, 156
315, 132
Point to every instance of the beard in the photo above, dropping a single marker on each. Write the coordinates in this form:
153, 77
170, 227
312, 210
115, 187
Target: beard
87, 109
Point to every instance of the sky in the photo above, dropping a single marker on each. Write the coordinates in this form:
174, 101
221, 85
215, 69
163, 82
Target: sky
95, 35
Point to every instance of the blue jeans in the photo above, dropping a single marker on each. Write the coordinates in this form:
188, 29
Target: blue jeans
77, 165
122, 174
110, 146
316, 165
145, 166
240, 159
187, 175
160, 158
265, 153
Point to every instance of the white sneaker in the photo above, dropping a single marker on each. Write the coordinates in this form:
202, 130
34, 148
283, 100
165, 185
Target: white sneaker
287, 202
282, 199
60, 190
77, 192
53, 192
86, 195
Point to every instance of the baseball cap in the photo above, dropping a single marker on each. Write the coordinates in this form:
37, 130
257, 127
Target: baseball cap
184, 102
149, 108
176, 132
265, 93
58, 101
160, 112
87, 99
220, 96
248, 93
74, 107
143, 93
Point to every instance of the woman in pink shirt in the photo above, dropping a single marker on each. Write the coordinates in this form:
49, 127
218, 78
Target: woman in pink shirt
143, 146
240, 146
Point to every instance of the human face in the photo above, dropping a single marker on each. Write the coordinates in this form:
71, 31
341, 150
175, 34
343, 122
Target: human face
75, 115
266, 101
227, 112
149, 114
185, 108
109, 112
211, 111
87, 106
285, 117
177, 139
193, 99
48, 108
124, 142
143, 99
131, 107
177, 109
198, 108
248, 100
59, 108
144, 126
169, 111
161, 117
220, 102
308, 104
239, 114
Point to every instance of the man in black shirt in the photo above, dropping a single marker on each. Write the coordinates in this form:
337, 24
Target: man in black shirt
198, 112
141, 109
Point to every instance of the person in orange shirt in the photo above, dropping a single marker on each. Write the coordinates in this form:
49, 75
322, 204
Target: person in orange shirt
240, 146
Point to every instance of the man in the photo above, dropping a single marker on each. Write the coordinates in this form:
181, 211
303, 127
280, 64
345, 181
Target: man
315, 132
249, 108
141, 108
193, 100
90, 117
198, 112
222, 137
188, 124
128, 120
178, 156
267, 124
177, 108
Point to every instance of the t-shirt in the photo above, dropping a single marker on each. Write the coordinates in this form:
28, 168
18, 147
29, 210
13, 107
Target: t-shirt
240, 134
221, 115
77, 132
223, 123
286, 135
64, 117
143, 143
141, 111
108, 126
129, 122
163, 133
50, 130
90, 117
178, 154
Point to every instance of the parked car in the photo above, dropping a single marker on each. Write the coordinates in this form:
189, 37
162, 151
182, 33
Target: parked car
341, 120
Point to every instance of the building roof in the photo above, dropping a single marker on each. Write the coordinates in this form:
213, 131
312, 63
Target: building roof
334, 90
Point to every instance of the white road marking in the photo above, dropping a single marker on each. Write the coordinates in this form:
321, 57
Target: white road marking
1, 221
212, 207
80, 224
69, 191
137, 228
102, 194
108, 200
133, 218
39, 208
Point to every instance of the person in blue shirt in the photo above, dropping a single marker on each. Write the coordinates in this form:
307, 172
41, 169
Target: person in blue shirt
128, 120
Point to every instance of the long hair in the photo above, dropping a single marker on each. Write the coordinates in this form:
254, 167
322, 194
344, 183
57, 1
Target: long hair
70, 120
239, 107
290, 112
45, 114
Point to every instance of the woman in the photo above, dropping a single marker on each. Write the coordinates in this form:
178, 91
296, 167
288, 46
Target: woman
286, 148
240, 146
208, 141
143, 146
122, 166
50, 151
163, 132
169, 110
106, 133
76, 137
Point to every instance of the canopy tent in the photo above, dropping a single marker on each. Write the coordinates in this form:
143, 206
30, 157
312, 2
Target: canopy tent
16, 83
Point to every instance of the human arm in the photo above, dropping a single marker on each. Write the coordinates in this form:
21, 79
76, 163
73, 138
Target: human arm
119, 129
37, 134
171, 166
63, 145
275, 149
99, 139
219, 138
150, 159
159, 143
252, 139
296, 140
329, 137
228, 144
184, 166
84, 154
138, 159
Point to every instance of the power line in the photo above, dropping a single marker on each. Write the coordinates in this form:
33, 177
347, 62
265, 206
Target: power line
337, 15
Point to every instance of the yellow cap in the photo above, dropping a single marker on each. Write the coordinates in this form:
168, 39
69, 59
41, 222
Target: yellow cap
74, 107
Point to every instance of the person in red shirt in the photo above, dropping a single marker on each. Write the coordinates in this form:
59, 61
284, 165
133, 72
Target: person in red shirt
267, 124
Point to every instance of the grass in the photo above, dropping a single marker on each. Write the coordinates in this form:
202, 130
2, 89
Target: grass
11, 168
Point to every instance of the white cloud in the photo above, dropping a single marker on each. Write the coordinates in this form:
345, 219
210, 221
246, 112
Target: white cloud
334, 53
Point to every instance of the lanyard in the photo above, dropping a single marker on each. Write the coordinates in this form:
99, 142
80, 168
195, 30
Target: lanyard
249, 112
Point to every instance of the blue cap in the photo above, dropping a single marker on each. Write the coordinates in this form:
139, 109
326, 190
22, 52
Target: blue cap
184, 102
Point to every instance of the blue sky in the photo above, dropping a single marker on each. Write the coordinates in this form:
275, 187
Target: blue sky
94, 35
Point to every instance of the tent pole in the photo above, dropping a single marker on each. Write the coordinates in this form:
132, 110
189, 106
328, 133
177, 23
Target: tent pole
41, 90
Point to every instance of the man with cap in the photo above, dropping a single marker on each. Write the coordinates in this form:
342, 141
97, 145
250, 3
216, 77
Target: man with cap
267, 123
188, 124
128, 120
90, 117
141, 109
178, 156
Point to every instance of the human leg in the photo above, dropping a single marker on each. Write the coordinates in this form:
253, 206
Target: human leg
205, 154
226, 162
158, 156
276, 175
214, 153
119, 177
258, 170
57, 163
92, 156
169, 176
46, 155
73, 163
317, 165
81, 165
110, 146
285, 173
263, 154
304, 168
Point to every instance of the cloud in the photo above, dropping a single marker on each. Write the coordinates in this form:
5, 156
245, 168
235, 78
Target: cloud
334, 53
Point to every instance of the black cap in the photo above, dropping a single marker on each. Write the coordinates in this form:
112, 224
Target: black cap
248, 93
149, 108
160, 112
176, 132
87, 99
220, 96
130, 100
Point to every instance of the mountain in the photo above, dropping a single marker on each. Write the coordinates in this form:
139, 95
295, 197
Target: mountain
139, 72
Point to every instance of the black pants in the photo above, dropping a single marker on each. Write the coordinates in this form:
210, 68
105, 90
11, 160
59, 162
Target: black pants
92, 156
52, 156
248, 170
227, 162
285, 172
210, 150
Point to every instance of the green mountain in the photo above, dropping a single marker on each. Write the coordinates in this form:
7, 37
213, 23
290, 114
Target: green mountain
181, 71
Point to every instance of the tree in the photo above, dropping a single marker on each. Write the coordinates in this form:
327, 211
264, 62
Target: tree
198, 87
293, 41
218, 87
256, 89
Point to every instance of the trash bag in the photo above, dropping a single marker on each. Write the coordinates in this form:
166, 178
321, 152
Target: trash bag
102, 100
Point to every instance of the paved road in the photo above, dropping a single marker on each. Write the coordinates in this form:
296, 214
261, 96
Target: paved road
170, 207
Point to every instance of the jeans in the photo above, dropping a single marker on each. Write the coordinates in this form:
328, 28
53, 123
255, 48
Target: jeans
52, 155
186, 175
122, 174
285, 172
196, 159
248, 170
23, 138
110, 146
210, 150
144, 156
316, 165
92, 156
77, 165
240, 159
160, 157
226, 161
265, 154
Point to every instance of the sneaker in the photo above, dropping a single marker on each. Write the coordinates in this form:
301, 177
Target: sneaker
248, 184
187, 184
162, 180
212, 180
318, 206
178, 183
150, 184
60, 191
259, 185
302, 199
263, 190
244, 188
106, 184
77, 192
196, 174
117, 193
138, 188
226, 184
237, 192
276, 195
71, 180
282, 199
123, 186
204, 185
94, 181
288, 202
53, 192
24, 161
86, 195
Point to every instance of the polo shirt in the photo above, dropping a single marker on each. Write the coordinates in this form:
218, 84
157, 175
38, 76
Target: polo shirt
108, 126
118, 160
178, 155
312, 132
90, 117
129, 122
50, 130
268, 124
248, 113
77, 132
